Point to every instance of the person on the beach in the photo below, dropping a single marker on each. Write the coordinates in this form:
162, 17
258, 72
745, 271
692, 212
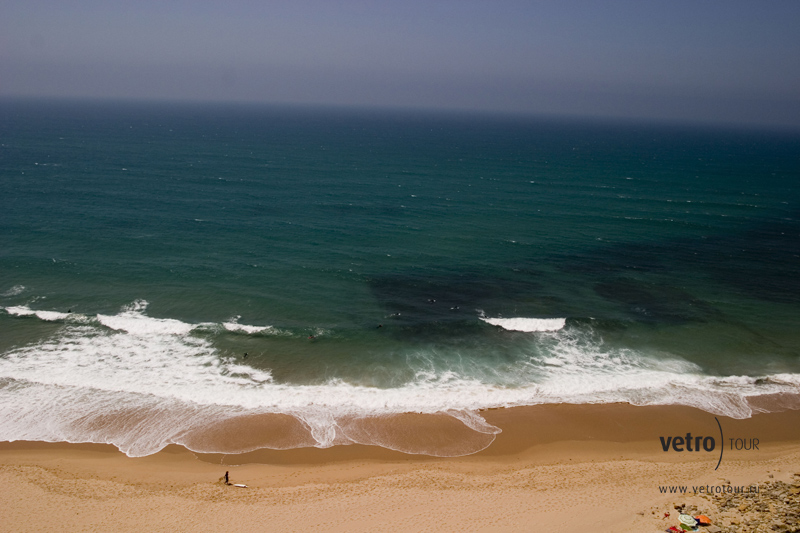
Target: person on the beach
226, 478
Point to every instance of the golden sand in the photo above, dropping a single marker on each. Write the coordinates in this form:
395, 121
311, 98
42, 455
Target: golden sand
553, 468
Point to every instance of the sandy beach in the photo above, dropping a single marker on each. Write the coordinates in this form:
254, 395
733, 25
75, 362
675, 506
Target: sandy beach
400, 267
553, 468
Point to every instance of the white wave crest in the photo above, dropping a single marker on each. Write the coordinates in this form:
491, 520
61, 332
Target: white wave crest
244, 328
529, 325
48, 316
20, 310
133, 320
233, 326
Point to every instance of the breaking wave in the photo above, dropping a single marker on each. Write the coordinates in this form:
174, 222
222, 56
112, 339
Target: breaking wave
529, 325
141, 383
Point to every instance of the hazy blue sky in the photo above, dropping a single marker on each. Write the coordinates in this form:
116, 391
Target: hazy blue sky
702, 60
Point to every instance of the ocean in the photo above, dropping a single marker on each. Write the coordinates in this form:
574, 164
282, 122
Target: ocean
236, 277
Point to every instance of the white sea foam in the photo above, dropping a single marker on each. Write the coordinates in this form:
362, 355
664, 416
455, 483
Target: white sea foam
142, 383
244, 328
14, 291
234, 326
140, 325
132, 320
20, 310
527, 324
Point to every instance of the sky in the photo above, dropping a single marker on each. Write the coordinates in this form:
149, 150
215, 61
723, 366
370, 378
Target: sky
705, 61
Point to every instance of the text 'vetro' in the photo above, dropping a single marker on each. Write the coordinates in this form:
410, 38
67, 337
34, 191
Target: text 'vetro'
678, 443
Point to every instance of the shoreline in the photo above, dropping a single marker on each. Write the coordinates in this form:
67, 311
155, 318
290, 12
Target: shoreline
562, 467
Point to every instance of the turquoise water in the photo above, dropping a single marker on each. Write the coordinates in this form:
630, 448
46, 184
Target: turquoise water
371, 264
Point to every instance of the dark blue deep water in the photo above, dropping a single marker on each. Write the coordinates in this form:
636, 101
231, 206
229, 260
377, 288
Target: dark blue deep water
371, 264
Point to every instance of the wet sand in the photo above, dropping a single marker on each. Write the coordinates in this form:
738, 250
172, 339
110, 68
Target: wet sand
553, 468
